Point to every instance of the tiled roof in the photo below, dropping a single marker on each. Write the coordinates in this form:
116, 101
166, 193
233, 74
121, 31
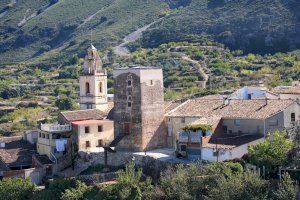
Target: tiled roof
17, 152
243, 109
210, 120
287, 90
43, 159
226, 141
90, 114
88, 122
170, 105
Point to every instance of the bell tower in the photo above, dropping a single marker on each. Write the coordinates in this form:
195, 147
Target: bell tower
93, 82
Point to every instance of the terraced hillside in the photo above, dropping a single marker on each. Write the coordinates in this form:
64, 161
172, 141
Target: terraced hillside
254, 26
49, 32
50, 29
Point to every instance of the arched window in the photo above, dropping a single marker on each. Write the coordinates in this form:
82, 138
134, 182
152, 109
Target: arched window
100, 87
87, 88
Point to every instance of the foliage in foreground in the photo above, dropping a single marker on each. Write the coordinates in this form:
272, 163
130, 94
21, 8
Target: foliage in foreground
271, 153
216, 181
16, 188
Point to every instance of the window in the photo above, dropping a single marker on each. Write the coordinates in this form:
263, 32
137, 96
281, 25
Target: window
237, 122
87, 144
129, 83
87, 88
183, 120
89, 106
129, 98
100, 128
100, 143
215, 153
87, 129
225, 129
293, 117
183, 148
40, 135
43, 135
151, 82
126, 128
273, 122
129, 104
100, 87
47, 136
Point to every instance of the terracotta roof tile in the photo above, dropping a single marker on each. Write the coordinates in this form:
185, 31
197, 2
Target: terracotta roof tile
17, 152
171, 105
243, 109
90, 114
287, 90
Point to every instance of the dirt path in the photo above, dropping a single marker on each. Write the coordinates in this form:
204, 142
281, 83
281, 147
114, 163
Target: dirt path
89, 18
121, 49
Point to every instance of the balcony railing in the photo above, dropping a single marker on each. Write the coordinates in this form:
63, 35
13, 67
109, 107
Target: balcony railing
56, 128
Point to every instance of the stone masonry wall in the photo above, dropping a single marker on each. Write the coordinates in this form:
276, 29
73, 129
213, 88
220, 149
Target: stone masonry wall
123, 114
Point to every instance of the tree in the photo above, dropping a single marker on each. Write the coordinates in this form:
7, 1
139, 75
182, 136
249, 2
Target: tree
128, 183
239, 186
287, 189
65, 103
272, 152
76, 193
16, 189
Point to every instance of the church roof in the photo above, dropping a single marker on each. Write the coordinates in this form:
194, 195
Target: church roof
92, 47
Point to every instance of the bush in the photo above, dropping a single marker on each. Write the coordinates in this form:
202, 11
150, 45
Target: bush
16, 189
271, 153
65, 103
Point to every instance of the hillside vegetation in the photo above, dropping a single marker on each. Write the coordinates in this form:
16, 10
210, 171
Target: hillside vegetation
47, 32
55, 29
254, 26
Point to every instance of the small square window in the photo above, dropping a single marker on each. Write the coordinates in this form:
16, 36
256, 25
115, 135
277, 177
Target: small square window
215, 153
87, 144
273, 122
129, 104
293, 117
237, 122
129, 83
183, 120
100, 128
87, 129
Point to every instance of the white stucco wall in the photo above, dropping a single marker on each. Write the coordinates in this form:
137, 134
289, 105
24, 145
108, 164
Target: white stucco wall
229, 154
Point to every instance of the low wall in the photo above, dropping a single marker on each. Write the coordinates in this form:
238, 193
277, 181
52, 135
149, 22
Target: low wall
97, 178
151, 166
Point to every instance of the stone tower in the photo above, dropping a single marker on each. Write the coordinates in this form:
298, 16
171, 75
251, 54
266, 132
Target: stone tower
93, 82
139, 108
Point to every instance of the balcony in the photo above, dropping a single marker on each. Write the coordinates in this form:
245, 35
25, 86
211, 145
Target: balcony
56, 128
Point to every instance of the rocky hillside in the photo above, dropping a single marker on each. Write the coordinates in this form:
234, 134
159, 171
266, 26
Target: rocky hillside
47, 32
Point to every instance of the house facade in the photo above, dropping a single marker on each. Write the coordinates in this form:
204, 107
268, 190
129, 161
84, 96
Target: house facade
235, 124
83, 130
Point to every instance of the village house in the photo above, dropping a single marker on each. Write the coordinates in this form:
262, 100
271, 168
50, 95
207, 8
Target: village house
288, 92
16, 159
253, 92
233, 125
